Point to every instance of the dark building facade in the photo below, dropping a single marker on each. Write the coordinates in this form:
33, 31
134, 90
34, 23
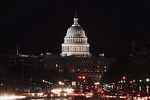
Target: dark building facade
28, 72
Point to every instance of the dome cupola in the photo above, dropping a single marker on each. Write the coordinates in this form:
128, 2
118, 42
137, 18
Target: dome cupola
75, 30
75, 41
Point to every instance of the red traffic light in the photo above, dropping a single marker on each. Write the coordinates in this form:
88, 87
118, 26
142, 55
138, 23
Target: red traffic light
131, 82
124, 78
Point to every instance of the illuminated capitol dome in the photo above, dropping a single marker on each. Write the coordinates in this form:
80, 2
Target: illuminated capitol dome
75, 41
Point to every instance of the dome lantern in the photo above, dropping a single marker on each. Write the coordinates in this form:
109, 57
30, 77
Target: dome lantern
75, 22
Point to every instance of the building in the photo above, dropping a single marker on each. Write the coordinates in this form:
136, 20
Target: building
74, 60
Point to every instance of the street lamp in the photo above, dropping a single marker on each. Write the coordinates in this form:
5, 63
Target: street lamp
147, 86
147, 79
140, 80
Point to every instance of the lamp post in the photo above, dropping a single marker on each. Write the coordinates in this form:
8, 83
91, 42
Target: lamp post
147, 86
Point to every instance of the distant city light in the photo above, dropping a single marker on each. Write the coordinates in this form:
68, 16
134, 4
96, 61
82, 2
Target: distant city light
83, 77
106, 85
96, 83
61, 83
124, 78
131, 82
56, 91
121, 81
68, 90
140, 80
11, 97
147, 79
1, 84
59, 90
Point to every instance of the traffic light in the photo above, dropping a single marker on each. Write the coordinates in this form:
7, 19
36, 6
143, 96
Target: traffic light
131, 82
83, 77
106, 85
124, 78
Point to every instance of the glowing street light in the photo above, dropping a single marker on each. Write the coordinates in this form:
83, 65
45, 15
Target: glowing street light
147, 79
121, 81
140, 80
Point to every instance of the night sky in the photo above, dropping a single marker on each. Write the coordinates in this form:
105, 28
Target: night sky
40, 25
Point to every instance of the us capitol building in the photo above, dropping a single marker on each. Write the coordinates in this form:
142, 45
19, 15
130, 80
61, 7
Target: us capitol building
74, 60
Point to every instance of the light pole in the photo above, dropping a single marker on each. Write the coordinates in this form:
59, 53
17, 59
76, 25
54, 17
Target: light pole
147, 86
